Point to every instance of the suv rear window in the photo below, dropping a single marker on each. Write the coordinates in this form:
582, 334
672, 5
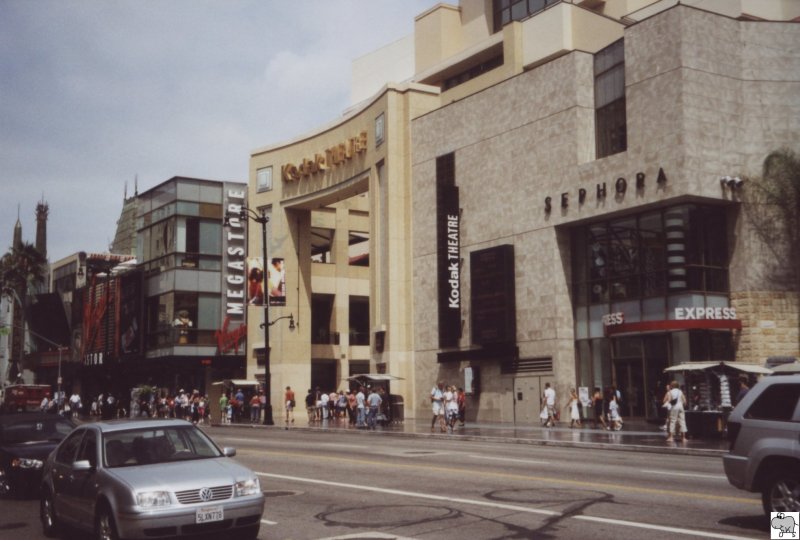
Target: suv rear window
777, 402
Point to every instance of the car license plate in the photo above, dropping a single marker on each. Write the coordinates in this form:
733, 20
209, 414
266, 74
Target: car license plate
208, 514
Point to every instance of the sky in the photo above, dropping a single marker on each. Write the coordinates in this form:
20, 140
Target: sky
97, 94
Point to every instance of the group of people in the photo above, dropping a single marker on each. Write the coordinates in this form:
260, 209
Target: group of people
234, 408
605, 405
449, 406
363, 407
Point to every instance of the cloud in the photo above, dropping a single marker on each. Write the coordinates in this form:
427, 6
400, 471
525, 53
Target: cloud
96, 92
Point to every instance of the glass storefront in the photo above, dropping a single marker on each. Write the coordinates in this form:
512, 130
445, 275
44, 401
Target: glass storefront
648, 269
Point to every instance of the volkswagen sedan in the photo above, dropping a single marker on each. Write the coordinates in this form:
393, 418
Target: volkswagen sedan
148, 479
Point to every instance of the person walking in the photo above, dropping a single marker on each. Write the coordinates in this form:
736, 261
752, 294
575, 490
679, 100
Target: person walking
437, 405
288, 398
597, 406
352, 407
614, 417
574, 410
462, 406
310, 406
374, 401
451, 407
361, 408
223, 408
550, 404
676, 400
255, 409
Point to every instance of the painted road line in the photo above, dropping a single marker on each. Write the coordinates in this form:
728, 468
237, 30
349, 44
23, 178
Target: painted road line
511, 507
688, 475
268, 522
581, 484
288, 443
527, 461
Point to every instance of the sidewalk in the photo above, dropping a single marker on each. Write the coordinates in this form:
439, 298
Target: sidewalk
635, 436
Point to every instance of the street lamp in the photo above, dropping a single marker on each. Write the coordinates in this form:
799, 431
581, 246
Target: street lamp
262, 218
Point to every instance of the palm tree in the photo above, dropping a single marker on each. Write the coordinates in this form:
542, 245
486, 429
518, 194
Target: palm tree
21, 269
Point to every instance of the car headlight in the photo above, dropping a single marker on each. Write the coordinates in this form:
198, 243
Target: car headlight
25, 463
247, 487
152, 499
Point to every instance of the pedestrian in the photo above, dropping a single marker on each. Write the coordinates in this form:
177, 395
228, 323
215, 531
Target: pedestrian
744, 387
676, 400
437, 405
341, 405
614, 417
352, 407
574, 409
317, 404
288, 398
597, 406
462, 406
361, 406
324, 399
255, 409
223, 408
374, 401
310, 405
75, 404
451, 408
549, 402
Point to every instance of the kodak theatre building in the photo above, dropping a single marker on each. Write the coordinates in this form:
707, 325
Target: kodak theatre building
555, 194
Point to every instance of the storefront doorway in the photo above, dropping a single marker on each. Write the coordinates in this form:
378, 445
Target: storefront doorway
628, 375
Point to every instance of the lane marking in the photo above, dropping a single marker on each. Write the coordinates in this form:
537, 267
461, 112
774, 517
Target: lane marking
502, 506
582, 484
268, 522
689, 475
514, 460
286, 443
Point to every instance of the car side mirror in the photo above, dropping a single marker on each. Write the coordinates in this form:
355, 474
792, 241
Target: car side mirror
228, 451
81, 465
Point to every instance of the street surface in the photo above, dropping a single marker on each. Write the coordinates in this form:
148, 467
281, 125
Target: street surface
324, 485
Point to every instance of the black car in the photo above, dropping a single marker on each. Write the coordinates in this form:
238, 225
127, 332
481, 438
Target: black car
25, 442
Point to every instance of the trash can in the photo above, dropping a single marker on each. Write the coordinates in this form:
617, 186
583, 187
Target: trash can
398, 408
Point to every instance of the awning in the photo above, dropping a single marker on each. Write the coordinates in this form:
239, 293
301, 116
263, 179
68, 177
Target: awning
699, 366
786, 369
377, 377
237, 382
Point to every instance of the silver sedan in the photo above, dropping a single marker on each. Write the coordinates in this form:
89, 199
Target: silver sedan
148, 479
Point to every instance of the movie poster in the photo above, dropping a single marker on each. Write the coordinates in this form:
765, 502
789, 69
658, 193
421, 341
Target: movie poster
255, 281
276, 282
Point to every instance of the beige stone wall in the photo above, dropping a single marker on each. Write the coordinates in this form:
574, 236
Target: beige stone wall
769, 324
700, 105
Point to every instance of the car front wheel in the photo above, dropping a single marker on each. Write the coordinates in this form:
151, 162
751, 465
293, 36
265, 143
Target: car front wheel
47, 515
781, 492
104, 528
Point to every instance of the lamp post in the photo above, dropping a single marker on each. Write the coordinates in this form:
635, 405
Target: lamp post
263, 219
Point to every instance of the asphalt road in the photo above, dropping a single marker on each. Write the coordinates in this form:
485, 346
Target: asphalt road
365, 485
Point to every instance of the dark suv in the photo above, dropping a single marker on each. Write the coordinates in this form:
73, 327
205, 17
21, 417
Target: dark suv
764, 432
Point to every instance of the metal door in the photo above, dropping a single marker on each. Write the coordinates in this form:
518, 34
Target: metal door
527, 399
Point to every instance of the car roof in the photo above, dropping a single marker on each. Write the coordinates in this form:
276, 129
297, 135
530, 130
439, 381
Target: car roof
108, 426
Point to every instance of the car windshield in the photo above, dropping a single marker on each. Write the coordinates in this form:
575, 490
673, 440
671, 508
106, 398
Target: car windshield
34, 430
150, 445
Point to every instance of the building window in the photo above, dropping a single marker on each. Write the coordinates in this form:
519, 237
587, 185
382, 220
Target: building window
358, 248
264, 179
380, 129
609, 100
648, 264
506, 11
473, 72
322, 245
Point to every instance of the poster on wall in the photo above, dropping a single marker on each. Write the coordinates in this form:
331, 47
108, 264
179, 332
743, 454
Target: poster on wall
276, 282
255, 281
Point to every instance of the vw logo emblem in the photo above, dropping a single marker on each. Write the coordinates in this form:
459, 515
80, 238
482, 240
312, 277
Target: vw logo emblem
206, 494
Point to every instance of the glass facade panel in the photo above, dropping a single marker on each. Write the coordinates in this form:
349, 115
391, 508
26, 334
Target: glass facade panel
210, 237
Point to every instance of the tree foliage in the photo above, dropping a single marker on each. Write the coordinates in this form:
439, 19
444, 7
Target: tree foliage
22, 268
774, 212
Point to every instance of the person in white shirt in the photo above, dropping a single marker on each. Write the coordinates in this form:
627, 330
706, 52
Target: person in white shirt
550, 405
437, 403
361, 422
451, 407
677, 416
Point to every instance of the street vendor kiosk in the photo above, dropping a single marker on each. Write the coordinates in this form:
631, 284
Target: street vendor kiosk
710, 389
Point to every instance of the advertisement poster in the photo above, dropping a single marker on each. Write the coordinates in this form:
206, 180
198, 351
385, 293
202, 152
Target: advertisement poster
255, 281
583, 396
276, 282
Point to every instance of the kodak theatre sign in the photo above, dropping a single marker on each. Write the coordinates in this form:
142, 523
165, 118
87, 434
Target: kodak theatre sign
323, 161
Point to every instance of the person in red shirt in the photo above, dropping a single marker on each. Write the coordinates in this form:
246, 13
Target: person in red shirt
288, 399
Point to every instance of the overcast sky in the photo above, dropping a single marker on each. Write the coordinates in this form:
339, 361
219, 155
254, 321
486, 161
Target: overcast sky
94, 93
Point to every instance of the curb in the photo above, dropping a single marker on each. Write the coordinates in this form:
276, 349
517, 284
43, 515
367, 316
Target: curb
620, 447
